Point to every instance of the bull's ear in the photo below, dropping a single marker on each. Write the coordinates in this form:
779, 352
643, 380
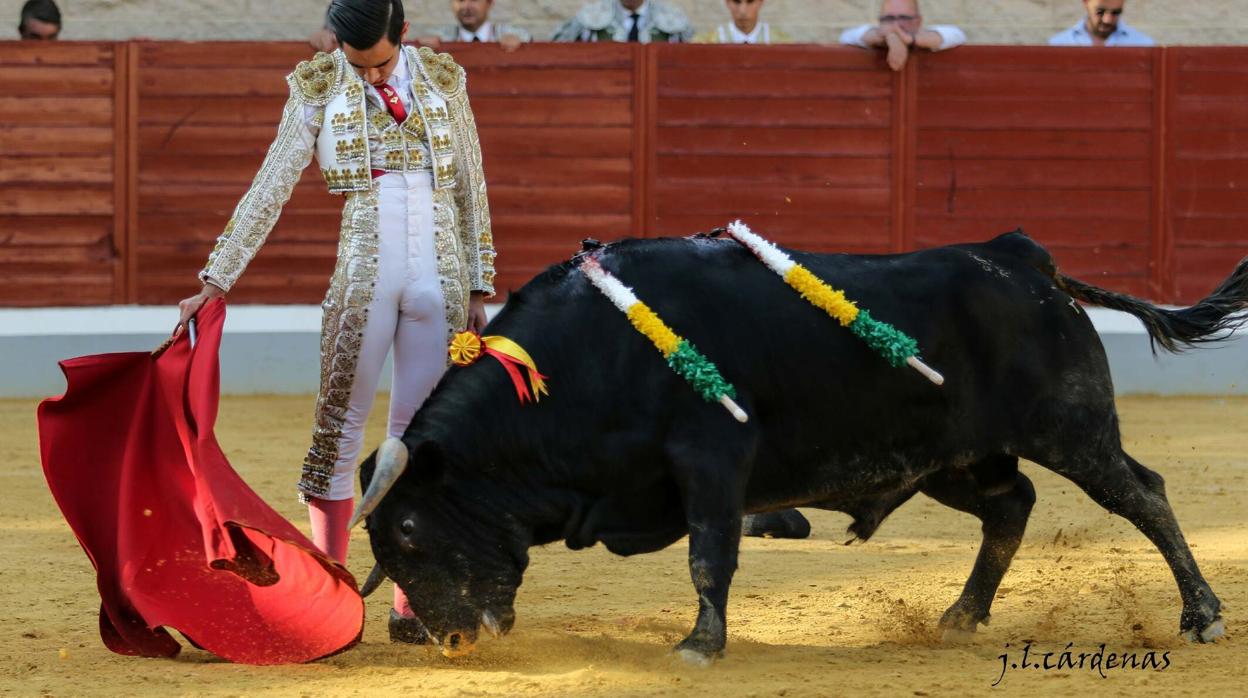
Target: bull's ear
428, 465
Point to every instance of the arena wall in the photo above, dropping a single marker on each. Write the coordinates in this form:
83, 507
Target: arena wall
1213, 22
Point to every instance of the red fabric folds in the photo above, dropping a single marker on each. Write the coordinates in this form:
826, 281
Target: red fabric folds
177, 538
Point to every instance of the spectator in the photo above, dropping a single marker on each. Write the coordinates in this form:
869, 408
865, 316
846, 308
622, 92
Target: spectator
1102, 27
643, 21
40, 21
473, 24
744, 28
900, 30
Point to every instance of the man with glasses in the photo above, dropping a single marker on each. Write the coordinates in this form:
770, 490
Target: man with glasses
40, 21
900, 31
1102, 27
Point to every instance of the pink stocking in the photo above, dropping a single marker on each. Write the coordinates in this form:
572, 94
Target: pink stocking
401, 605
329, 526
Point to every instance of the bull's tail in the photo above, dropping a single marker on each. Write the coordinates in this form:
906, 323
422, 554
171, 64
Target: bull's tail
1210, 320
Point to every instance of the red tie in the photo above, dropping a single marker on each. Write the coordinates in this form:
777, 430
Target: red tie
395, 106
393, 103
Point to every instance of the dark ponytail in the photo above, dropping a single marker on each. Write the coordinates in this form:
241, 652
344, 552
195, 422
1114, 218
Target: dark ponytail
363, 23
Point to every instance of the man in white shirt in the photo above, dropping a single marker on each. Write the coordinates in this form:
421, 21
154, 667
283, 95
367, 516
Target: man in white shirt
744, 27
635, 21
474, 26
1102, 27
900, 30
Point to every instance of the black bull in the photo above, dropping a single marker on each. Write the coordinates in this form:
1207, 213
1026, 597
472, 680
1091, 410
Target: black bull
625, 453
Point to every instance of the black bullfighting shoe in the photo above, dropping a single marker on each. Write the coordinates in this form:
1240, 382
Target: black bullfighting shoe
409, 630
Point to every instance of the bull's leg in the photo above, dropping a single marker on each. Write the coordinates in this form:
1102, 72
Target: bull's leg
1124, 487
1003, 509
713, 501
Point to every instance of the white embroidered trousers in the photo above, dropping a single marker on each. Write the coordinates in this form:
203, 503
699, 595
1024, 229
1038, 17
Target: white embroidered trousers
406, 313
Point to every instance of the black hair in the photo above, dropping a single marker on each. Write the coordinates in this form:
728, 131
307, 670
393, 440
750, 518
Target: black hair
42, 10
362, 23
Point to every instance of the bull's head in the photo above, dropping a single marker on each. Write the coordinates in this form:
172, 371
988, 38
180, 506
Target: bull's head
460, 569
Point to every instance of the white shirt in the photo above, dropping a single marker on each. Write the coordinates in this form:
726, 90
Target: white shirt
483, 33
760, 35
1124, 35
950, 36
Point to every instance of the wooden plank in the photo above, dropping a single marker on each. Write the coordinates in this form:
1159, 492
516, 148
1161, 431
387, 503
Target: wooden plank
55, 231
1192, 59
773, 113
55, 54
1029, 114
1057, 59
986, 80
197, 110
1210, 113
559, 83
525, 111
588, 198
765, 198
815, 142
1210, 174
128, 228
36, 290
1211, 231
1228, 143
543, 55
1049, 174
1160, 264
56, 111
43, 81
56, 169
38, 140
1041, 144
215, 55
736, 170
1220, 82
176, 81
1203, 203
556, 141
944, 229
45, 200
816, 60
770, 83
1031, 204
793, 229
644, 160
1199, 270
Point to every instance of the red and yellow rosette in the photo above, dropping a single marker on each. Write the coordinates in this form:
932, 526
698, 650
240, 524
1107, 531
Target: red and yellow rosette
468, 347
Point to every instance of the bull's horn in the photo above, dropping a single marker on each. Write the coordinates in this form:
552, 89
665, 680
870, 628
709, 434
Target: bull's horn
375, 578
391, 462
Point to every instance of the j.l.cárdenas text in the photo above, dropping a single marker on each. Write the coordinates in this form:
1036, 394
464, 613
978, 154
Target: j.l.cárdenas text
1068, 659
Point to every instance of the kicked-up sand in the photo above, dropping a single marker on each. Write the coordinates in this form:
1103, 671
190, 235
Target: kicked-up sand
806, 618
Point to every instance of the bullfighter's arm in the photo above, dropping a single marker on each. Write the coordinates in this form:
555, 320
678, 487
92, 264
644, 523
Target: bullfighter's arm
258, 211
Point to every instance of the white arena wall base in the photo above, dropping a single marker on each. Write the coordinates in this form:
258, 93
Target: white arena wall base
269, 349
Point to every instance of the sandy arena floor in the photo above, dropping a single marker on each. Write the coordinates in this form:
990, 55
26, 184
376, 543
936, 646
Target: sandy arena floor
809, 617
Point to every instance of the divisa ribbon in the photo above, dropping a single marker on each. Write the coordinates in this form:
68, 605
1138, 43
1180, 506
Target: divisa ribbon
467, 347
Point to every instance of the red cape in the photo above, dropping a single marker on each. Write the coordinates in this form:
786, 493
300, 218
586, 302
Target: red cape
177, 538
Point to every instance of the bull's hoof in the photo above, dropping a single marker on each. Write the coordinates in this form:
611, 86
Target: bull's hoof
409, 630
1210, 633
778, 524
695, 658
959, 625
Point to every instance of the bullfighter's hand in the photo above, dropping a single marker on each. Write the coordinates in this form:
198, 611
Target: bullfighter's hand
187, 307
476, 312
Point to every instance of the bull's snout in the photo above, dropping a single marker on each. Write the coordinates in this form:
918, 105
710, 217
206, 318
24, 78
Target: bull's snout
458, 644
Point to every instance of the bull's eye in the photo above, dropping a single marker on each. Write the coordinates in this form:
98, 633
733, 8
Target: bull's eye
408, 526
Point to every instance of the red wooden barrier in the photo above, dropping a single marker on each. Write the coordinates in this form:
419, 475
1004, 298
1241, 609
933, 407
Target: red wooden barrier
120, 163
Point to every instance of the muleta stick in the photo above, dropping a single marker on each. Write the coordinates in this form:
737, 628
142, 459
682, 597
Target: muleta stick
681, 356
897, 348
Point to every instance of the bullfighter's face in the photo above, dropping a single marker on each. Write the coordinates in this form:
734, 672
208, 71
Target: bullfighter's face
459, 569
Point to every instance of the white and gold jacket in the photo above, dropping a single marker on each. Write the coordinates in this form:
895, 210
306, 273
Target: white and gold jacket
328, 114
